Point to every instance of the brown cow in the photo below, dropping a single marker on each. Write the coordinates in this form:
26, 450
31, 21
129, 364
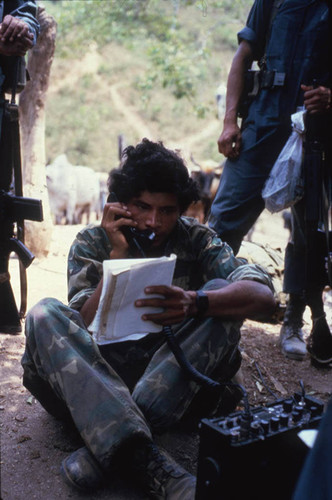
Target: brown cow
207, 175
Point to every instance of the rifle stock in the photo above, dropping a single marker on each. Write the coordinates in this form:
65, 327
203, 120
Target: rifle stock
317, 203
14, 209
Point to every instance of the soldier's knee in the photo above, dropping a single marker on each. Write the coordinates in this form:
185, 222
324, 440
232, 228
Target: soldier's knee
44, 308
39, 315
215, 284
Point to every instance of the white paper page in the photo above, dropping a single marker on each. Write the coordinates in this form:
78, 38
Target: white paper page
110, 268
117, 318
108, 319
128, 315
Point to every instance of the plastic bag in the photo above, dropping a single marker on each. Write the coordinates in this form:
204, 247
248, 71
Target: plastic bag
284, 186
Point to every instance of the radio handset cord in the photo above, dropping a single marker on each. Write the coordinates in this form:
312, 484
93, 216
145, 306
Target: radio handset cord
172, 342
199, 377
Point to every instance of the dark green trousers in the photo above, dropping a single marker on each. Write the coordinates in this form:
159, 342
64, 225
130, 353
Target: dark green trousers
120, 392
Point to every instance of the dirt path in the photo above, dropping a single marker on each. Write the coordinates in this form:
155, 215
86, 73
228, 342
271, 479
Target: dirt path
133, 119
33, 444
89, 65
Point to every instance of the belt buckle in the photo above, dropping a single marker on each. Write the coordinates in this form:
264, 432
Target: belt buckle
278, 79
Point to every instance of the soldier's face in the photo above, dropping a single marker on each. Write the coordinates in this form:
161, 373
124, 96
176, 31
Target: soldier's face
156, 211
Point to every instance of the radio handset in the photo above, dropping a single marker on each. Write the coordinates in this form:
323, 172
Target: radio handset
137, 240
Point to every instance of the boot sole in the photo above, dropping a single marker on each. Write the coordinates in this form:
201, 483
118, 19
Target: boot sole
318, 361
322, 365
294, 356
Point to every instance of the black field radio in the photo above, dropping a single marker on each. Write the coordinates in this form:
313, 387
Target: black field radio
255, 454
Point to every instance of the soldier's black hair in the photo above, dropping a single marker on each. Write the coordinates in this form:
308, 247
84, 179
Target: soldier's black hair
151, 167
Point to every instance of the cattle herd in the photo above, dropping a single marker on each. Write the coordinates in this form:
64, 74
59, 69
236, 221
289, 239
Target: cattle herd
77, 194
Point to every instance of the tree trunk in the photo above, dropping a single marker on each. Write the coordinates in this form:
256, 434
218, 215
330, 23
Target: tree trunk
32, 127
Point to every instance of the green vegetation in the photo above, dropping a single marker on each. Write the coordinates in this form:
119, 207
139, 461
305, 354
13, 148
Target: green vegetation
164, 60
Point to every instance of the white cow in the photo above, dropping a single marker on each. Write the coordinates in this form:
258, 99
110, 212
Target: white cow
61, 185
87, 193
73, 191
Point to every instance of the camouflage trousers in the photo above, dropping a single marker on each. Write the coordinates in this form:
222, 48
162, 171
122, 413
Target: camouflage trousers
67, 372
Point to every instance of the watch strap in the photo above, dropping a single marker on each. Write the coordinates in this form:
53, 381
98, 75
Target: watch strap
202, 303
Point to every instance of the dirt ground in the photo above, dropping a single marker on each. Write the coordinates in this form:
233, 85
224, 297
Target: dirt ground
33, 444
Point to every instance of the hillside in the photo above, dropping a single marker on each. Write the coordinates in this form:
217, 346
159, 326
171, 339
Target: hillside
101, 89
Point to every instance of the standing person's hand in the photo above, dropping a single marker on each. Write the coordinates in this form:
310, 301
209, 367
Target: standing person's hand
15, 48
13, 28
316, 100
229, 142
15, 37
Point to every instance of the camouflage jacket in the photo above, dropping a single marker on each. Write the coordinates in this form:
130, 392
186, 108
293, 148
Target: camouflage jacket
201, 257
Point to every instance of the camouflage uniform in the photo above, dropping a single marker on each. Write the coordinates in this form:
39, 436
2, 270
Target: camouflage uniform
119, 392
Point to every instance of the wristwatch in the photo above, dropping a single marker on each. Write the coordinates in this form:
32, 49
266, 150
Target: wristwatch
202, 303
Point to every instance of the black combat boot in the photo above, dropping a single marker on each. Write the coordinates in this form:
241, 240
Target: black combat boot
319, 343
160, 476
291, 334
82, 471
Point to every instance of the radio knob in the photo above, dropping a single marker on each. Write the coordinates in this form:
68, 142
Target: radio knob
288, 405
255, 428
284, 419
265, 426
299, 408
274, 423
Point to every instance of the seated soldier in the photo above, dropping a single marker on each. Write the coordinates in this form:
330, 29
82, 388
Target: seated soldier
119, 395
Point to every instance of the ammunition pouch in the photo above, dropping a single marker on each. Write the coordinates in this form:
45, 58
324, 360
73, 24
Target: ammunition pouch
254, 81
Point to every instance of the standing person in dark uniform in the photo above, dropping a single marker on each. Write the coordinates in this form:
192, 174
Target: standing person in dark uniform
18, 33
315, 480
290, 40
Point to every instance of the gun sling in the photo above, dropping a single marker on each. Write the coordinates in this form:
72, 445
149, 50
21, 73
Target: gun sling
13, 208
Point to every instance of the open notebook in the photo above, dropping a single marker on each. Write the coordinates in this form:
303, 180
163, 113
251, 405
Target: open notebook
117, 319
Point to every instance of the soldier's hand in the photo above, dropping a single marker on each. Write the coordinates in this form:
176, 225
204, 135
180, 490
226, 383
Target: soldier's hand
316, 100
229, 142
115, 216
13, 28
176, 304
